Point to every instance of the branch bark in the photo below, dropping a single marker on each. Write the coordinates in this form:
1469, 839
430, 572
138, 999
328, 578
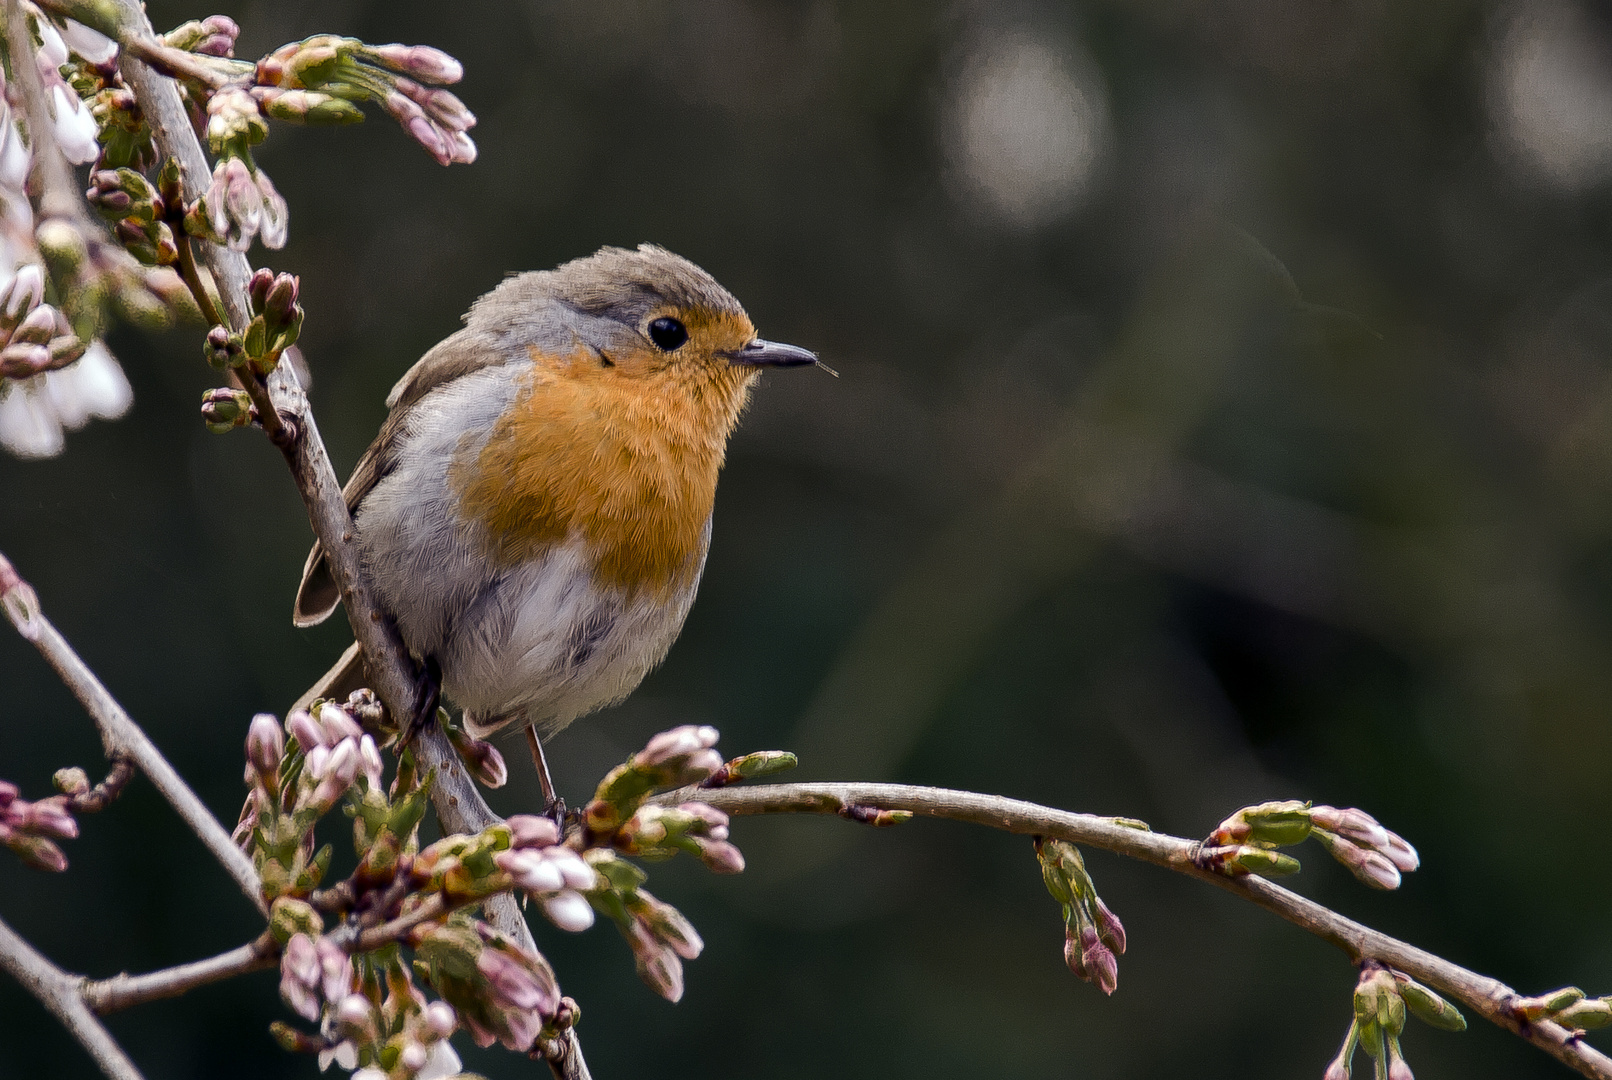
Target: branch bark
121, 991
58, 992
1489, 998
459, 806
121, 736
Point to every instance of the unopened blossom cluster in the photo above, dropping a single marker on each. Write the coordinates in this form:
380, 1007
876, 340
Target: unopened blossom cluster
1247, 842
321, 80
1094, 938
289, 794
371, 1016
31, 829
50, 381
1383, 1000
621, 821
501, 992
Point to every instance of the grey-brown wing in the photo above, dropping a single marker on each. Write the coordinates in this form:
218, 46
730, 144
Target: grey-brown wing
459, 355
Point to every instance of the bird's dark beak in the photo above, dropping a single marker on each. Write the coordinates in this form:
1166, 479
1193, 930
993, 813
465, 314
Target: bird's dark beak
772, 354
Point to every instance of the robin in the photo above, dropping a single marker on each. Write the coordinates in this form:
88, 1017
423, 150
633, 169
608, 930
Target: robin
536, 510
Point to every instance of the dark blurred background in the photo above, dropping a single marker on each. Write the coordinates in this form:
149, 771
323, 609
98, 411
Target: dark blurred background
1226, 414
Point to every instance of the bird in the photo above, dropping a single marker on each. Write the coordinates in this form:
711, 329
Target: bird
536, 510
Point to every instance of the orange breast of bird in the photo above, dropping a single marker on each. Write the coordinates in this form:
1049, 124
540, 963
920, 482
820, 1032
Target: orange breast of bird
622, 457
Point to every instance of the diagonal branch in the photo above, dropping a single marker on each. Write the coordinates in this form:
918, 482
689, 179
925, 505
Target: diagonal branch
120, 735
289, 422
58, 992
1490, 998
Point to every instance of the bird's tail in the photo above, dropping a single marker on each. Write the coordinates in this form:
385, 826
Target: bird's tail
341, 680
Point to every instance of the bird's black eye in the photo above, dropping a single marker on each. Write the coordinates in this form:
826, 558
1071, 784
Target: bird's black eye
668, 334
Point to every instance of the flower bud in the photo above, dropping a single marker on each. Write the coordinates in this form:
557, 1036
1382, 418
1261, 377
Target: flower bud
439, 1019
1109, 927
337, 723
265, 745
418, 61
1261, 861
70, 781
719, 856
569, 911
1429, 1007
1589, 1014
531, 831
289, 916
300, 976
49, 817
37, 852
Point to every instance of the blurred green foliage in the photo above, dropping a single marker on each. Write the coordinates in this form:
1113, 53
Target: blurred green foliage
1226, 415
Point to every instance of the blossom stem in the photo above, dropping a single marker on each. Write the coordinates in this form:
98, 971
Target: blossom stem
1492, 999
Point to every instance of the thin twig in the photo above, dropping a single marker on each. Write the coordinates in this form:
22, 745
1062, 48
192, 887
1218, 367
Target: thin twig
1490, 998
459, 806
102, 795
58, 992
121, 991
121, 736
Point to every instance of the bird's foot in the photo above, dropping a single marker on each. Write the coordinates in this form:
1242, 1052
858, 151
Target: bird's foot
427, 695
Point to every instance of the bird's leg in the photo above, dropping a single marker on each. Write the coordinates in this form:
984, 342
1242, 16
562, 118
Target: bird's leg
553, 805
427, 695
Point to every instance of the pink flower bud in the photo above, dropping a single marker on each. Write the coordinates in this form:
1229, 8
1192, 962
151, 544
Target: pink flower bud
677, 742
412, 1057
301, 726
8, 792
439, 1019
49, 817
531, 831
576, 872
518, 985
1400, 853
265, 744
337, 723
569, 911
369, 762
1101, 967
719, 856
530, 870
355, 1011
419, 61
337, 978
299, 976
1110, 928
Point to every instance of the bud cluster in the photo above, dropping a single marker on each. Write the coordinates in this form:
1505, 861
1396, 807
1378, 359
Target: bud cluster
1382, 999
675, 758
371, 1016
658, 934
321, 80
1569, 1007
502, 993
659, 832
1094, 938
136, 211
73, 125
1247, 842
31, 829
292, 789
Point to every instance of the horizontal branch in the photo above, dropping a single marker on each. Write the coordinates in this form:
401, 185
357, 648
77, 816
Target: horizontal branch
1490, 998
120, 735
59, 992
121, 991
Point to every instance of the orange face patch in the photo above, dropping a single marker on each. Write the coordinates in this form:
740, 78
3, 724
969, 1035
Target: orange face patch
624, 458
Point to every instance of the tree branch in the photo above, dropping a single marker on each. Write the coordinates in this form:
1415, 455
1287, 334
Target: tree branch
459, 806
120, 735
1490, 998
121, 991
58, 992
